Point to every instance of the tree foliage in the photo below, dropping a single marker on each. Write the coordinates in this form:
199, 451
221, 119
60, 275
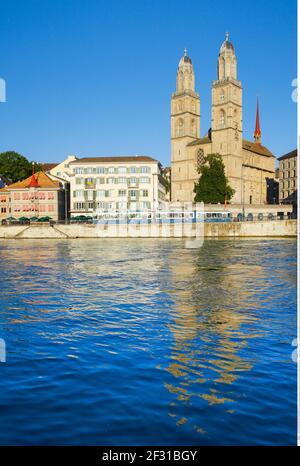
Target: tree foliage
15, 166
213, 186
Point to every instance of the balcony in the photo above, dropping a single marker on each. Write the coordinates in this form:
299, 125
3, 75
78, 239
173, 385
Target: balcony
90, 185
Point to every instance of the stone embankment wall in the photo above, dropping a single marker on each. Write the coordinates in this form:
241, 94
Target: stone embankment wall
277, 228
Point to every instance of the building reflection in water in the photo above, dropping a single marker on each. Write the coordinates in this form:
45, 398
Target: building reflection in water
179, 322
212, 317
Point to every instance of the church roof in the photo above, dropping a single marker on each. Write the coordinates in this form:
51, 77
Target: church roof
205, 140
247, 145
257, 148
123, 159
185, 58
226, 44
41, 180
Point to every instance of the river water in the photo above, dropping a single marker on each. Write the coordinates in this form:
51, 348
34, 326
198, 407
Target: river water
144, 342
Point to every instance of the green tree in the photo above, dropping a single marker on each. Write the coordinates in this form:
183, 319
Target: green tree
213, 186
15, 166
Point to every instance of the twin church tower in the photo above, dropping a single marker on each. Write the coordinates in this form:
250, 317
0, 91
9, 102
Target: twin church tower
247, 163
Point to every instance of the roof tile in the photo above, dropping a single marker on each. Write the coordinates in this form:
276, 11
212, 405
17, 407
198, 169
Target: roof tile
123, 159
44, 181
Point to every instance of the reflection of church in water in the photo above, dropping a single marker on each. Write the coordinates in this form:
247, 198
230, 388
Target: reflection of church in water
210, 331
247, 163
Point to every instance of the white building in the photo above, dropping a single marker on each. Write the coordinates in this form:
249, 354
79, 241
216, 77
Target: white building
63, 170
100, 184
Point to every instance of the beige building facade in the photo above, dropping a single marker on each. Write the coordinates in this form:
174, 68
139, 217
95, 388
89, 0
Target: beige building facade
247, 163
99, 184
288, 178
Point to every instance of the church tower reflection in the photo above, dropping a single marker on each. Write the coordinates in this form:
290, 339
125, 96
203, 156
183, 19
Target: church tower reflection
211, 326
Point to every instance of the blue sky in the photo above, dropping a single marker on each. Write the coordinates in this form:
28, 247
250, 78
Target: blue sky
94, 78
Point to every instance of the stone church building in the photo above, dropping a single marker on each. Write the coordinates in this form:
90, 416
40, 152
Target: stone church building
247, 163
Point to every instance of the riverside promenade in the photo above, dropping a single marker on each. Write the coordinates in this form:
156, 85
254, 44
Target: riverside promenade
270, 228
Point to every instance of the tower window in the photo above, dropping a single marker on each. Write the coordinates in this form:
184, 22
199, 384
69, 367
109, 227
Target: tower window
222, 95
223, 68
193, 127
179, 127
180, 81
222, 119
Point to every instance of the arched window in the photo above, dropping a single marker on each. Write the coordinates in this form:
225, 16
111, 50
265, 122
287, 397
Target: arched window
222, 95
235, 120
179, 106
191, 80
186, 80
179, 127
233, 68
222, 119
193, 127
180, 81
193, 107
222, 68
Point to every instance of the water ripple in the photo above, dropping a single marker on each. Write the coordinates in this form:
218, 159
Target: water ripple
146, 342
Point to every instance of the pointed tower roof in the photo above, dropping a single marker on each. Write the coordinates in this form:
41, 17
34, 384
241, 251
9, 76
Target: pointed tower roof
226, 44
40, 180
185, 59
185, 79
257, 131
227, 64
33, 181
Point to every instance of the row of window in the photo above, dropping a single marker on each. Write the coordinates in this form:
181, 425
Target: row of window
288, 164
180, 128
288, 184
34, 208
289, 174
110, 193
112, 180
99, 170
37, 195
182, 105
222, 95
285, 194
185, 80
111, 205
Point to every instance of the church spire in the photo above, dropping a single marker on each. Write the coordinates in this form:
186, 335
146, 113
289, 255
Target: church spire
257, 132
227, 67
185, 74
